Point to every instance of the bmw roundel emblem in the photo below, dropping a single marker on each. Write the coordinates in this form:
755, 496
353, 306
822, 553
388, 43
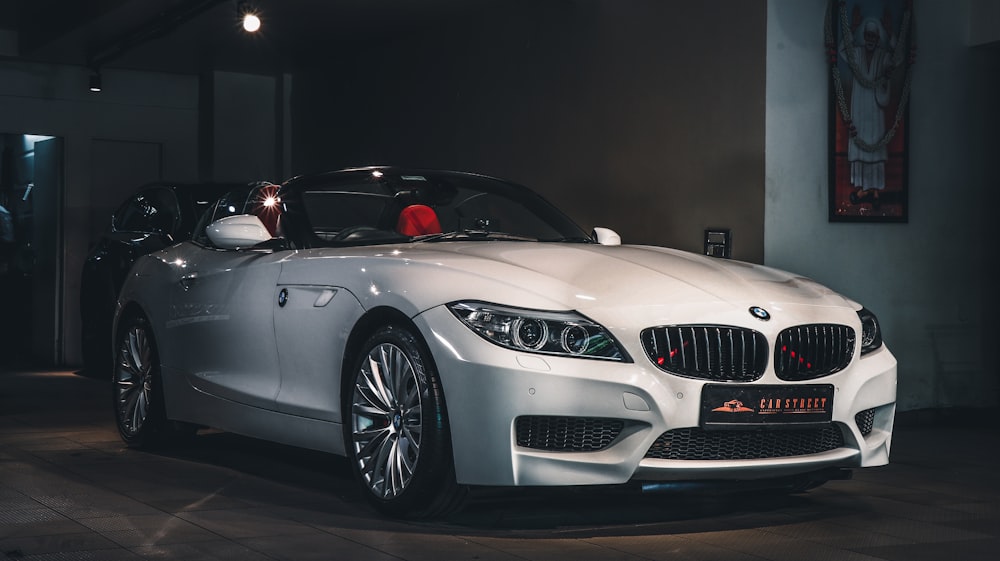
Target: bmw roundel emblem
760, 313
283, 297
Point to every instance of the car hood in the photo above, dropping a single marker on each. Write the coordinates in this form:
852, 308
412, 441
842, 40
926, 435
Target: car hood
633, 275
596, 280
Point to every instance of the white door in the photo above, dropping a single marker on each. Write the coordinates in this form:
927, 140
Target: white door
220, 329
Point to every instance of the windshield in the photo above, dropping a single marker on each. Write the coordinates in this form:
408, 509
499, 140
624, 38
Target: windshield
382, 206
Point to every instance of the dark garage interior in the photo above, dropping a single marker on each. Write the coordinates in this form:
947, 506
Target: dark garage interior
660, 119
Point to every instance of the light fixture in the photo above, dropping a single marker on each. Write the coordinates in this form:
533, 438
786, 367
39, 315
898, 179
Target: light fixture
249, 16
95, 80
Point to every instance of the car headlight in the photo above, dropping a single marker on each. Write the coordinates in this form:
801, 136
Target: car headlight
537, 331
871, 333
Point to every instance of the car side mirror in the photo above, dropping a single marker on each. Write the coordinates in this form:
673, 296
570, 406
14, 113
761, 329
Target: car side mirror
606, 236
235, 232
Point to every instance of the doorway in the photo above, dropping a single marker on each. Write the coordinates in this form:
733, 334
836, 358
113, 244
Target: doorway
31, 239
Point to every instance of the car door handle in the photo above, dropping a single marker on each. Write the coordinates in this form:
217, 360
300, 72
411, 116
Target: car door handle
189, 280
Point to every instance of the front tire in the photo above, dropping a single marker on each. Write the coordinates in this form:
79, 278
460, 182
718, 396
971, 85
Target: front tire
396, 427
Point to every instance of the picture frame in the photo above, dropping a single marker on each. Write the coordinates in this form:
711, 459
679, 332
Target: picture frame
870, 53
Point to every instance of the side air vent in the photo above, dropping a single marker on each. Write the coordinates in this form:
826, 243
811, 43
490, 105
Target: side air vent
567, 434
865, 421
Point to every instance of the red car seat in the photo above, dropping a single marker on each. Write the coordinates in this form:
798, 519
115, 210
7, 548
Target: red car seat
418, 220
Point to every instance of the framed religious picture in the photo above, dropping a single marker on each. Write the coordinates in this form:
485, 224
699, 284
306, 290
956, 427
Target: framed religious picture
870, 50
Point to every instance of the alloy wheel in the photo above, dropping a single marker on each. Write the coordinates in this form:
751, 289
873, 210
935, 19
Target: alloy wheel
386, 420
134, 379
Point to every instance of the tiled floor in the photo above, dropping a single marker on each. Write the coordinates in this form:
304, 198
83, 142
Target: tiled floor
70, 490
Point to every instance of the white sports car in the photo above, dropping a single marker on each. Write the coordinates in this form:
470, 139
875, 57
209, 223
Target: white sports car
445, 330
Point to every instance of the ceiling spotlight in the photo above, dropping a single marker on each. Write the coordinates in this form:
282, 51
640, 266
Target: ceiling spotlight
95, 80
251, 21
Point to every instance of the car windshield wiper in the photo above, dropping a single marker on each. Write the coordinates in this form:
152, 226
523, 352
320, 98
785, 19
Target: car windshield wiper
580, 239
473, 235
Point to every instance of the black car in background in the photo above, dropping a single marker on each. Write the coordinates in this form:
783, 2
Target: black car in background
156, 216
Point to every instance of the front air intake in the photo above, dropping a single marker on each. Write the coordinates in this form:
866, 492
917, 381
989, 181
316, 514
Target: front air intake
699, 444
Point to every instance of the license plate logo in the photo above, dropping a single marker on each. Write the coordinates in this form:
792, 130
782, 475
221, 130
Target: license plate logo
733, 406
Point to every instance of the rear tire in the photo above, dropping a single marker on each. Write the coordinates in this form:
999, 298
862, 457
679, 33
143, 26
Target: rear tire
396, 427
137, 388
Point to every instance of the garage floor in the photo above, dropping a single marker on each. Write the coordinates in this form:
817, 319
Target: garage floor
70, 490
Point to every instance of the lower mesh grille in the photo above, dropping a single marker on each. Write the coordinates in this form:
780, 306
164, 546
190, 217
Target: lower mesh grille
567, 434
699, 444
865, 421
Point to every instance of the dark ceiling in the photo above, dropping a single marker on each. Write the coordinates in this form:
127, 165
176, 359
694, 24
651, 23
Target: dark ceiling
191, 36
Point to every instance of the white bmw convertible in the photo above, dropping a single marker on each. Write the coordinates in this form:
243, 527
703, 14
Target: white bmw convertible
444, 330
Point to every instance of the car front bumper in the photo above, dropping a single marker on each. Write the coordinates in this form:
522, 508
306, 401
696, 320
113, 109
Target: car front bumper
487, 388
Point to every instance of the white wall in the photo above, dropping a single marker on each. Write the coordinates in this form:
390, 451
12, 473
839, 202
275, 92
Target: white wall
134, 106
922, 278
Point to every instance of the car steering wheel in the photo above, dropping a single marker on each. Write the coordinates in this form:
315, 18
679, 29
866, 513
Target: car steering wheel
346, 233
